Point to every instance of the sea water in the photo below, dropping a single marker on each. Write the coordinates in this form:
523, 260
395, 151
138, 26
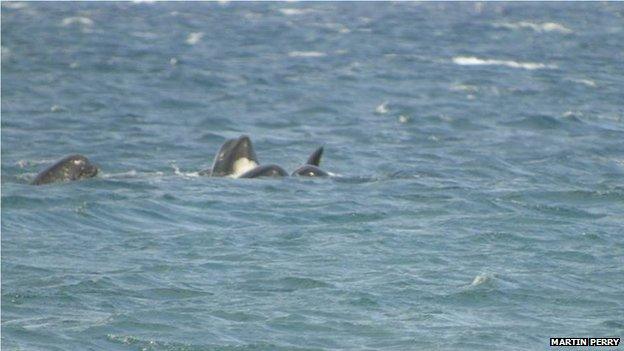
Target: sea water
476, 202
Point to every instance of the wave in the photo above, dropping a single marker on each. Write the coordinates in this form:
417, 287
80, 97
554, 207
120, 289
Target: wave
587, 82
194, 38
85, 21
13, 5
382, 108
306, 54
537, 27
29, 163
176, 171
294, 12
481, 279
336, 27
131, 174
475, 61
464, 87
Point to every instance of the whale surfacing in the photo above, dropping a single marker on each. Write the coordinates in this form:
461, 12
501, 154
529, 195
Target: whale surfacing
311, 168
237, 159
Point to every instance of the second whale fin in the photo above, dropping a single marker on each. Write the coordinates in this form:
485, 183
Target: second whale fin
311, 167
315, 157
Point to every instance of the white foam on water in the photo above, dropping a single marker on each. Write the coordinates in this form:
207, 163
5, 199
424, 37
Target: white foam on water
26, 163
14, 5
145, 35
537, 27
129, 174
382, 108
464, 87
26, 177
572, 114
337, 27
294, 12
158, 175
306, 54
176, 171
588, 82
475, 61
481, 279
194, 38
84, 21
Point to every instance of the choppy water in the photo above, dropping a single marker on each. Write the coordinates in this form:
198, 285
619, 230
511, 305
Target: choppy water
478, 202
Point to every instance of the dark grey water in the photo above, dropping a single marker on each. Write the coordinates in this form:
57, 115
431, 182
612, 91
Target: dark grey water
478, 201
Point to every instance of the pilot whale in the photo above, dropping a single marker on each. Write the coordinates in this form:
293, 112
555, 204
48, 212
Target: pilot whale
73, 167
237, 159
311, 167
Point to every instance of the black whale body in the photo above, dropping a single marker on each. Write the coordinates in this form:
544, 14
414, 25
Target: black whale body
237, 158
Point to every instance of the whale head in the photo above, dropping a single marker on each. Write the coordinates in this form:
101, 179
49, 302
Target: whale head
235, 157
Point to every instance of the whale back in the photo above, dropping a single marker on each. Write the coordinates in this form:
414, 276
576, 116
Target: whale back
310, 171
235, 157
311, 167
265, 171
73, 167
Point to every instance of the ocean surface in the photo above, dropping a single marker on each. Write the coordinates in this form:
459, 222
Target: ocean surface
476, 202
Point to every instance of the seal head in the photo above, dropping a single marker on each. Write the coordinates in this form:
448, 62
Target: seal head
73, 167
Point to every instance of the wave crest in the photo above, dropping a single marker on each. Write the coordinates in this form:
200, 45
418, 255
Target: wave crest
475, 61
537, 27
306, 54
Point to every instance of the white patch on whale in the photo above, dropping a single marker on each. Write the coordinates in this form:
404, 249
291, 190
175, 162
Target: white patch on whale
242, 165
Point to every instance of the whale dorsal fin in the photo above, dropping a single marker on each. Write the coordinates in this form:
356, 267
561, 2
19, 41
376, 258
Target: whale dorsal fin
235, 157
315, 158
